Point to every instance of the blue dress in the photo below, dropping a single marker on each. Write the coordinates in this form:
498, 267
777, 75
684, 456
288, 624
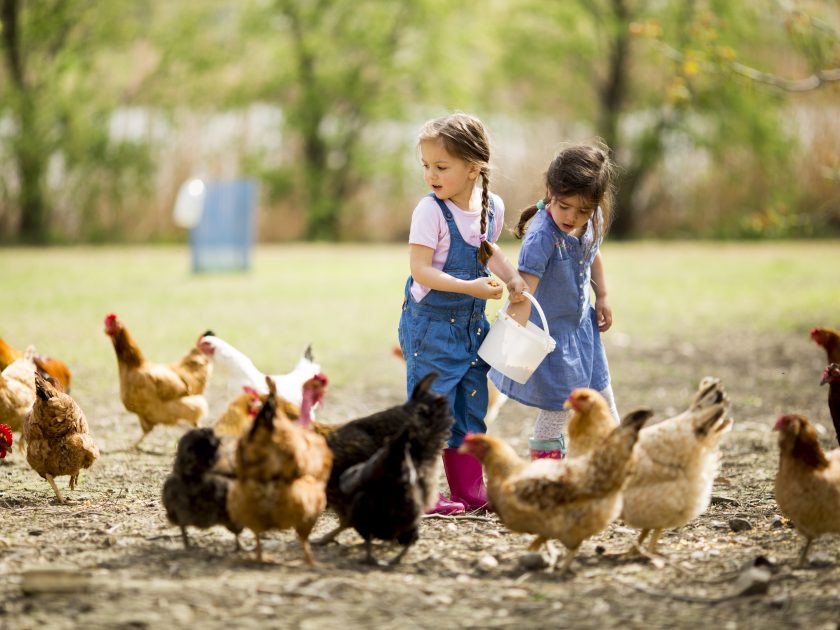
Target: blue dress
563, 265
442, 333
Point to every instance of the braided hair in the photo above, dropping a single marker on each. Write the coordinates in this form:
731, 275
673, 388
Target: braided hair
579, 169
464, 137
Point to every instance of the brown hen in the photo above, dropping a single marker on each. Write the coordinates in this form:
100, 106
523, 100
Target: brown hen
58, 440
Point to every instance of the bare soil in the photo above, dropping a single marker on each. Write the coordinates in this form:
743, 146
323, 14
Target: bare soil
110, 559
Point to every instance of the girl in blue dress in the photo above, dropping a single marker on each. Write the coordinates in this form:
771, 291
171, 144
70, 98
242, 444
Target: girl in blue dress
559, 260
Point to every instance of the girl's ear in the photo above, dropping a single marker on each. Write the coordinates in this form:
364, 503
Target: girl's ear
474, 171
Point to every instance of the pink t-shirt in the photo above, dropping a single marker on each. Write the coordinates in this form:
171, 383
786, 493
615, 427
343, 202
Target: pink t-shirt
429, 228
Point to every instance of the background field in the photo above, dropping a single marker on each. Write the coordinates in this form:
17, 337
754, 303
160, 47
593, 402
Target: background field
738, 311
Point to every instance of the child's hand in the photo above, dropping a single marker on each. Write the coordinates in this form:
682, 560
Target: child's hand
515, 288
603, 314
485, 289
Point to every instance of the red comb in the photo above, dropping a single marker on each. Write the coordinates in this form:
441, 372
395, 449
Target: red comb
6, 433
250, 390
322, 378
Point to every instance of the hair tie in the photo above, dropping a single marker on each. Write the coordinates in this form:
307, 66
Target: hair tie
481, 238
540, 205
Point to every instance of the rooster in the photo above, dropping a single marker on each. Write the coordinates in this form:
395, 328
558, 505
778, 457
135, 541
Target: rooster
58, 441
239, 371
831, 376
158, 393
282, 468
5, 439
196, 492
357, 441
676, 463
829, 339
17, 392
808, 480
385, 495
566, 499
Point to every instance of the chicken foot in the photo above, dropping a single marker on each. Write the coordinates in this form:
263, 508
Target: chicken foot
329, 536
307, 551
803, 555
184, 537
51, 481
398, 558
259, 547
567, 561
136, 445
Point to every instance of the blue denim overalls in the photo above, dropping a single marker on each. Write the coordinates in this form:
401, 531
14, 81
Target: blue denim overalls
442, 333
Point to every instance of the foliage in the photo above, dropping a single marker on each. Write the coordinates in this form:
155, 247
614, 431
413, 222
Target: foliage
59, 89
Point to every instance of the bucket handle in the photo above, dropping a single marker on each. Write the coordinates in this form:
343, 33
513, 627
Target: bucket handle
539, 311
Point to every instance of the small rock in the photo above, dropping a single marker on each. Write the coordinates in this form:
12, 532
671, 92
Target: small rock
739, 524
718, 525
36, 532
600, 550
719, 499
532, 562
777, 522
488, 563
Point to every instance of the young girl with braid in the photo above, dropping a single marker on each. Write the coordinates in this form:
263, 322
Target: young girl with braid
559, 260
452, 252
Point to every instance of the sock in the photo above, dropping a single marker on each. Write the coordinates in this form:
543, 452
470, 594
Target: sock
607, 393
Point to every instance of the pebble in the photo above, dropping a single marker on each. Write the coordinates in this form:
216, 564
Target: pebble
777, 522
532, 561
739, 524
488, 563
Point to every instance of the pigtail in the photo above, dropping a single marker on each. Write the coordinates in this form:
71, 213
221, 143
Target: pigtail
526, 215
485, 250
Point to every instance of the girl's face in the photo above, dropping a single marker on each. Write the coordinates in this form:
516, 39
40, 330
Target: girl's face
571, 213
448, 176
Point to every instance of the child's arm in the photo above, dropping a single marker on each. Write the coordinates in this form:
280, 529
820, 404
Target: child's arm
521, 311
500, 266
423, 272
603, 312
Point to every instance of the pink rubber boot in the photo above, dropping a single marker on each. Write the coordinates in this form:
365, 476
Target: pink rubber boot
547, 449
446, 507
466, 479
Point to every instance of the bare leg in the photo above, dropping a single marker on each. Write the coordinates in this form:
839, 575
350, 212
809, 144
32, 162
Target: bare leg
654, 539
537, 543
184, 537
55, 489
329, 536
803, 556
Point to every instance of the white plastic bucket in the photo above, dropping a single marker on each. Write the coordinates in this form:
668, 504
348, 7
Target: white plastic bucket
516, 350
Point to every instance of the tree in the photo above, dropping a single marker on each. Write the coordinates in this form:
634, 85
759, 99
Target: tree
58, 96
337, 68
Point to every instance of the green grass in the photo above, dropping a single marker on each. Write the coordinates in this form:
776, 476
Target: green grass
346, 300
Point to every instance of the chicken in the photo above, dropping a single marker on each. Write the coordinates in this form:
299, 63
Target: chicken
566, 499
5, 440
17, 392
48, 366
357, 441
831, 376
282, 468
8, 354
808, 481
495, 399
158, 393
829, 339
56, 431
676, 464
384, 496
196, 493
239, 371
590, 423
240, 413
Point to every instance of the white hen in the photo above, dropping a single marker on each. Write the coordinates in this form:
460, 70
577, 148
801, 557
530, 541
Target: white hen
239, 371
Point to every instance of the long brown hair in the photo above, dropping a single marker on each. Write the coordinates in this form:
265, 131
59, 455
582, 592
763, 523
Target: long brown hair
464, 137
580, 169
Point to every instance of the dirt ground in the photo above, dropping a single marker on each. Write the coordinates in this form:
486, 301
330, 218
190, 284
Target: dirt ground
110, 559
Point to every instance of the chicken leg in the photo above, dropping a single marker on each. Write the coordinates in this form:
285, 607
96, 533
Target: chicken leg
329, 536
803, 555
567, 561
51, 481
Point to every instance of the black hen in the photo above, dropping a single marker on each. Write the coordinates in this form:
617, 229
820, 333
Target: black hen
422, 425
196, 492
